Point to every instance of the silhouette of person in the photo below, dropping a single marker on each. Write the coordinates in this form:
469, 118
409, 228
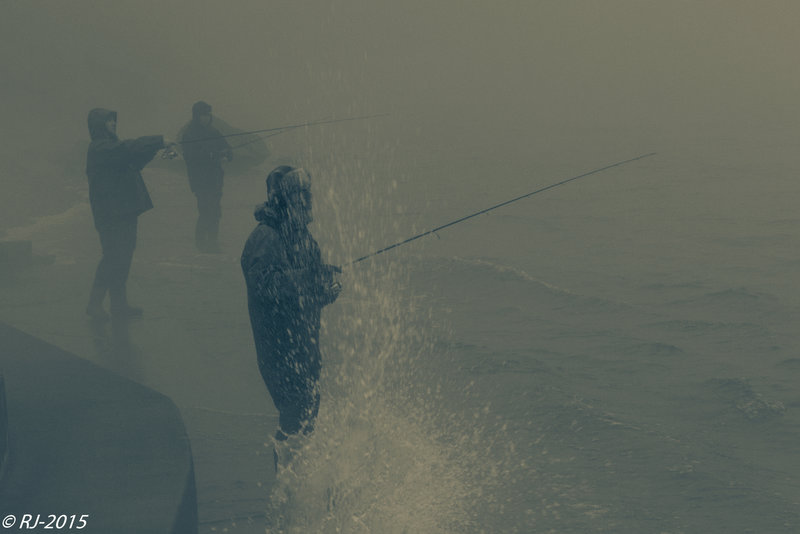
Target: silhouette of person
204, 148
287, 287
117, 195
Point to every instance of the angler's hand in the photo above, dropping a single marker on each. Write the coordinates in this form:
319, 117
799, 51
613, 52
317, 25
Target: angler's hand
332, 292
331, 286
327, 273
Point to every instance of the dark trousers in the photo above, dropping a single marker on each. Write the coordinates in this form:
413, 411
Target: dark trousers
209, 211
118, 241
292, 384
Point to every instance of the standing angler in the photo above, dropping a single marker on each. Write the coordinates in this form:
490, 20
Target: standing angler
117, 195
287, 287
204, 148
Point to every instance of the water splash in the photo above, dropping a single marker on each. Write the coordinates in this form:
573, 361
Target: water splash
390, 452
377, 461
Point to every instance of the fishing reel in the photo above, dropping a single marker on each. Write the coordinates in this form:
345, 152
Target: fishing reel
169, 153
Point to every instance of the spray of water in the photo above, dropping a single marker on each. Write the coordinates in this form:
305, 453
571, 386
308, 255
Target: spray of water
390, 452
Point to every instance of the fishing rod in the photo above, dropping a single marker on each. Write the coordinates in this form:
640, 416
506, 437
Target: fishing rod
507, 202
284, 128
257, 139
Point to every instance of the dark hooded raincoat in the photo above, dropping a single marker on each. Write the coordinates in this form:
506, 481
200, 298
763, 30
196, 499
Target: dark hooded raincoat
285, 278
116, 188
203, 150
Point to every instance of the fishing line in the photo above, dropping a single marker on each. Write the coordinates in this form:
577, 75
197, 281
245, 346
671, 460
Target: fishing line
507, 202
284, 128
257, 139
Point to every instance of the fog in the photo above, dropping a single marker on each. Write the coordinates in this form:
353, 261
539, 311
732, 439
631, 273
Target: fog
623, 303
550, 81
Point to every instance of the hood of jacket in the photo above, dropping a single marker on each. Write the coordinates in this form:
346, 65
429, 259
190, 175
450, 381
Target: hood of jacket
266, 214
201, 108
97, 123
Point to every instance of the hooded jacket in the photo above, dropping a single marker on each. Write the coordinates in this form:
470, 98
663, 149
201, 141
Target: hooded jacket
116, 188
285, 278
203, 149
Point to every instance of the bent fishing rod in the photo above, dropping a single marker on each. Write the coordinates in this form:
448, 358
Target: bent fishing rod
281, 129
500, 205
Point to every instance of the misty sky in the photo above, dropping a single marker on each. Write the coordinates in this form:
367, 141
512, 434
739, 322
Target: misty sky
515, 77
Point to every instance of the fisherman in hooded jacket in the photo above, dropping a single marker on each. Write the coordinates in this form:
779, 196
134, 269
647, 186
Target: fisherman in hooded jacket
117, 195
287, 287
204, 148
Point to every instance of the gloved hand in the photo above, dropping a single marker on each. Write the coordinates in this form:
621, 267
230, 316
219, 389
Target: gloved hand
332, 292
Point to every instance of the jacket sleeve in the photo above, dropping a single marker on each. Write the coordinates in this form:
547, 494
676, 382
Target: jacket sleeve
134, 152
203, 148
269, 278
143, 149
221, 147
287, 285
193, 149
227, 151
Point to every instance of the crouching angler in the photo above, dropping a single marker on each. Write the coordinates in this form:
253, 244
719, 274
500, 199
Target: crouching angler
287, 287
117, 195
